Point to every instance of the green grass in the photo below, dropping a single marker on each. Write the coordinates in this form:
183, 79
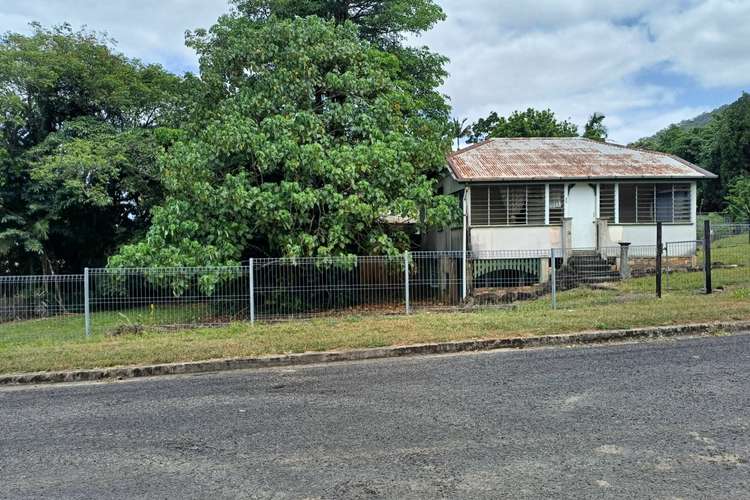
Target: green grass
58, 343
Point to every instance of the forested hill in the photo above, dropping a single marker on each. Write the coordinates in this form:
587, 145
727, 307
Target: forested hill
718, 141
702, 119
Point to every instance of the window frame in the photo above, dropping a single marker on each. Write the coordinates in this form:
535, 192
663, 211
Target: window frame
682, 194
531, 200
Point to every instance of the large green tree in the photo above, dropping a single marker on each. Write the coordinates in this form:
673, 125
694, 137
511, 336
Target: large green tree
529, 123
305, 142
738, 200
81, 129
383, 23
722, 146
730, 147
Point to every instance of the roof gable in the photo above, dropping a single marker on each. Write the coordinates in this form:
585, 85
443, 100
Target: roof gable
511, 159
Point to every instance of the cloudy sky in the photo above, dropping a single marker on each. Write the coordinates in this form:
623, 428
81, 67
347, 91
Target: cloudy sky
643, 63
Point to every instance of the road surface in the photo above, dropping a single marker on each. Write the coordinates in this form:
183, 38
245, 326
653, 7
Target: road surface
662, 419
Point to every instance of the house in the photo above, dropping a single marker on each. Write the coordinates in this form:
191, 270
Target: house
535, 194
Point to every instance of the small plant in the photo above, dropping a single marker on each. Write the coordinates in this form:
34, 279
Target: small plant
127, 329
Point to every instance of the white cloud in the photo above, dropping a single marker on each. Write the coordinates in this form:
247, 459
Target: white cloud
153, 31
629, 128
572, 56
581, 56
709, 42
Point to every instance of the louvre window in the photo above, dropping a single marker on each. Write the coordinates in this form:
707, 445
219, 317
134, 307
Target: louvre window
480, 206
626, 202
535, 204
644, 200
664, 203
607, 202
509, 205
556, 203
682, 203
651, 203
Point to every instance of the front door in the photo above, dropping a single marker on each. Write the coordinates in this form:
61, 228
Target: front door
582, 209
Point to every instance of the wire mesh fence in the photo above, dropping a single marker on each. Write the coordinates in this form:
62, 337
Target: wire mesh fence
315, 286
36, 297
730, 256
684, 266
128, 300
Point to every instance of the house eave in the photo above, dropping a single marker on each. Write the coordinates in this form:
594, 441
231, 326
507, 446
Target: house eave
580, 178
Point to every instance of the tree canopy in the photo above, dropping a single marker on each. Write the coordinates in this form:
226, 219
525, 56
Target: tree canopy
79, 141
738, 200
595, 128
529, 123
721, 145
306, 139
383, 22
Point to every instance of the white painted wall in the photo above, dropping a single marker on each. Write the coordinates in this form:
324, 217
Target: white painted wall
515, 238
645, 234
544, 237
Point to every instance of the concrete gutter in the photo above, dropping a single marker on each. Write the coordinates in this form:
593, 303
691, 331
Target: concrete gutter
214, 365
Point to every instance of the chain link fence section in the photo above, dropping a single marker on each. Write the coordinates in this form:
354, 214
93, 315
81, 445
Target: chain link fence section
125, 300
129, 300
619, 272
730, 257
42, 296
683, 265
39, 308
308, 287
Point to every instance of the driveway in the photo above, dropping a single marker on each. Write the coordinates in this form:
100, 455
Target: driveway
662, 419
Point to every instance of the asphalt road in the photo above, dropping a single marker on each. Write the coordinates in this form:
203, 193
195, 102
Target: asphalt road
666, 419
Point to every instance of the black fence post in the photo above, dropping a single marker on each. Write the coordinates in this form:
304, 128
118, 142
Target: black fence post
707, 254
658, 259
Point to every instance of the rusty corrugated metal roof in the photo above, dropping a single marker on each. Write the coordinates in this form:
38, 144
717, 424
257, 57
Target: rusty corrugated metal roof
564, 158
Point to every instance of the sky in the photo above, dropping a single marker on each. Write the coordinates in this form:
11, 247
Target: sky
643, 63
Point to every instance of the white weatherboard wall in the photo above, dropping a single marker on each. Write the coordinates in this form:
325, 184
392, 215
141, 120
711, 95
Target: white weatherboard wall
645, 234
515, 238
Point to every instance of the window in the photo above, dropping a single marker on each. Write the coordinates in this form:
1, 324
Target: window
644, 201
607, 202
535, 204
682, 203
556, 203
480, 204
509, 205
650, 203
626, 203
664, 203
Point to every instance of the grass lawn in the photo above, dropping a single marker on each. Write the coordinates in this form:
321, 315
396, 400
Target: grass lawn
58, 343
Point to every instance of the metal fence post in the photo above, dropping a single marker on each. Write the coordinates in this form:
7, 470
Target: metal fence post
553, 278
658, 258
406, 281
86, 302
464, 267
666, 256
707, 254
251, 268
